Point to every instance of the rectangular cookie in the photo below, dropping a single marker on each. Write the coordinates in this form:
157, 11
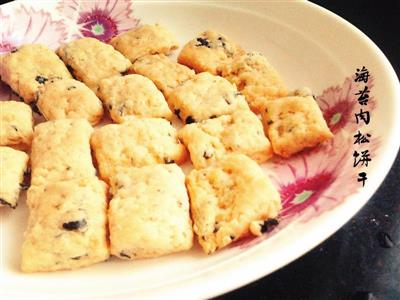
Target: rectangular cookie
204, 97
136, 143
61, 151
133, 95
13, 164
230, 200
16, 124
92, 60
69, 99
241, 132
294, 123
30, 66
147, 39
255, 78
208, 52
67, 229
149, 213
163, 71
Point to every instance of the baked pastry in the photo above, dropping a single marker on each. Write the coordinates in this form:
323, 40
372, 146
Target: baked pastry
136, 143
230, 200
146, 39
293, 124
133, 95
204, 97
149, 212
208, 52
30, 66
91, 60
16, 124
210, 140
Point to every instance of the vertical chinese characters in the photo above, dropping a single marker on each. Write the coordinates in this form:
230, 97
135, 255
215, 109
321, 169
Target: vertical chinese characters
361, 155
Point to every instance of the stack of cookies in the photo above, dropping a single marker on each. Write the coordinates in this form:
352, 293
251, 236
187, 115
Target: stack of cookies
131, 199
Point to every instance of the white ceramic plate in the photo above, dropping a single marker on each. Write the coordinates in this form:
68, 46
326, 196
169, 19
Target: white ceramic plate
310, 47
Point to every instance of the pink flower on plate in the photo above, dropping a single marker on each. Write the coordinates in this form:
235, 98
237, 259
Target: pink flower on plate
307, 180
25, 25
338, 103
99, 19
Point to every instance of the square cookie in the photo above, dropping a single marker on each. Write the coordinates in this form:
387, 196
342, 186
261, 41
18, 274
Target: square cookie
92, 60
147, 39
164, 72
16, 124
293, 124
136, 143
133, 95
208, 52
13, 164
61, 151
149, 212
256, 79
210, 140
67, 229
230, 200
69, 99
205, 96
30, 66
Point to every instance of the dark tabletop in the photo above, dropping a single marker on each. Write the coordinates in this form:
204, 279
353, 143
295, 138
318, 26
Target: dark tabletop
362, 259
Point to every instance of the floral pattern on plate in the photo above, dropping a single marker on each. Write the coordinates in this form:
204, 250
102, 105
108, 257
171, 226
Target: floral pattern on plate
98, 19
25, 25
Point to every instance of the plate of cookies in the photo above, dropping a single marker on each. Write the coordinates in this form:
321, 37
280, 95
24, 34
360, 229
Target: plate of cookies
181, 150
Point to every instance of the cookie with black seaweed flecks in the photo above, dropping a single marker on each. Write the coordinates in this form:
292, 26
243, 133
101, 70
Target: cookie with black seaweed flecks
133, 96
16, 124
256, 78
293, 124
204, 97
30, 66
149, 212
147, 39
67, 228
209, 51
210, 140
91, 61
13, 164
163, 71
61, 151
230, 200
69, 99
136, 143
